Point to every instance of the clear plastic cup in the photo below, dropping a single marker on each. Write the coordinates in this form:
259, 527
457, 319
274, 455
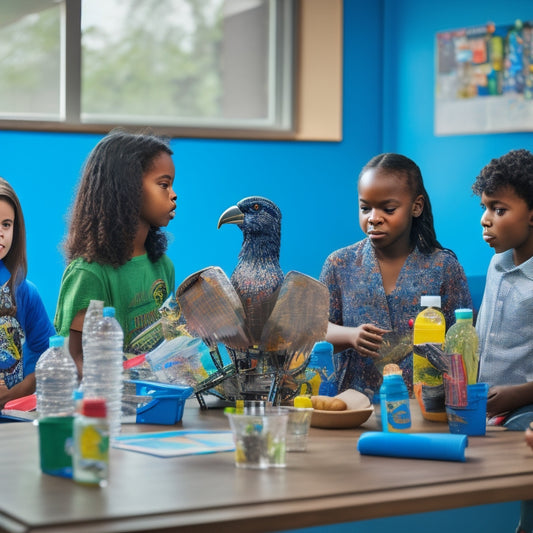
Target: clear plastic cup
298, 428
259, 438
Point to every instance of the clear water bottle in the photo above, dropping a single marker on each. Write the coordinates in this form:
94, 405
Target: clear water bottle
93, 314
56, 379
462, 338
102, 367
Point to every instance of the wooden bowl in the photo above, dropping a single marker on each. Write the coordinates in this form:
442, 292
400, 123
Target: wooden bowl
358, 411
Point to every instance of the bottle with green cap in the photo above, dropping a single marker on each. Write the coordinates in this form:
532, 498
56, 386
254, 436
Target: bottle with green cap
462, 338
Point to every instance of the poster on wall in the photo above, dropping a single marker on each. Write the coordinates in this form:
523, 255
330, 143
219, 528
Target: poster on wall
484, 79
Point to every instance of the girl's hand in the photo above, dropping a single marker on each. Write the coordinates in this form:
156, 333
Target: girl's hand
529, 436
502, 399
367, 340
4, 394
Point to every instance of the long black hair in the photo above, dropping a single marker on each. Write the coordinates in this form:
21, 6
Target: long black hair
15, 260
422, 230
106, 211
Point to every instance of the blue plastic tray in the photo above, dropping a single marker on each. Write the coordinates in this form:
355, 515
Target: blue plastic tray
167, 404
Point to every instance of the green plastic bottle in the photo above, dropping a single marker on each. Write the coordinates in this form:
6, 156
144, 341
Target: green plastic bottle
462, 338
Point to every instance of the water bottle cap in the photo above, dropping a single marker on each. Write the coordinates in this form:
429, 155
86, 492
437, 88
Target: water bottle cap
77, 394
323, 347
94, 407
463, 313
392, 369
56, 340
430, 301
109, 311
393, 383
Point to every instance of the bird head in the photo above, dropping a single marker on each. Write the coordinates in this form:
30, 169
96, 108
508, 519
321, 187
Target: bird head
253, 214
259, 220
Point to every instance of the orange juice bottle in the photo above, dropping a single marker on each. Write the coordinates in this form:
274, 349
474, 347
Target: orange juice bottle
430, 326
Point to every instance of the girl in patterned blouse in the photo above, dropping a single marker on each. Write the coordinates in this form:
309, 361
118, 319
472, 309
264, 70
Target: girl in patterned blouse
375, 284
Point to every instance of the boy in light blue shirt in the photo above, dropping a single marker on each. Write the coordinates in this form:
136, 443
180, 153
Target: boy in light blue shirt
506, 314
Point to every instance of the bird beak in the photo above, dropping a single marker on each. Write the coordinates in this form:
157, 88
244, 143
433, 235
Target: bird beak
232, 215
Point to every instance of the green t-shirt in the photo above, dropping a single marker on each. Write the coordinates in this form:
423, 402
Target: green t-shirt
136, 290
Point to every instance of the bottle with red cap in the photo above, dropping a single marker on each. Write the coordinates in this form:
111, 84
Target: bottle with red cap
91, 443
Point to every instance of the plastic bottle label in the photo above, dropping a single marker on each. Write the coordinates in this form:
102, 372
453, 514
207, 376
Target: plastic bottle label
398, 415
92, 455
428, 387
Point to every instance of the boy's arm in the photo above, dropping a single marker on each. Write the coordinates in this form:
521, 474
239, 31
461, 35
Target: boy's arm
505, 398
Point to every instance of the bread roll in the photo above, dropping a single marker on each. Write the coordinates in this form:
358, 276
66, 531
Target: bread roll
328, 403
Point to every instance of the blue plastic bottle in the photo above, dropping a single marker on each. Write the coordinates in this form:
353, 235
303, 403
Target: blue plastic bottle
321, 371
394, 400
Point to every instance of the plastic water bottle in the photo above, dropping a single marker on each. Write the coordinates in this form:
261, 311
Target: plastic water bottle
320, 372
394, 400
93, 314
462, 338
102, 367
56, 379
428, 386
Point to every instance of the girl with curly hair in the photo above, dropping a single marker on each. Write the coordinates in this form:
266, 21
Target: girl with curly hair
115, 247
25, 328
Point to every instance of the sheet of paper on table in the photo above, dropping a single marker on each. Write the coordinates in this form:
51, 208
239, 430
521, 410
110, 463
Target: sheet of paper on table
177, 443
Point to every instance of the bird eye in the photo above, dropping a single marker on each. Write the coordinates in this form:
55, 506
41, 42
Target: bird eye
256, 207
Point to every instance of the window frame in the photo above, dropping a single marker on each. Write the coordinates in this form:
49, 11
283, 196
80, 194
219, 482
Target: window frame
316, 87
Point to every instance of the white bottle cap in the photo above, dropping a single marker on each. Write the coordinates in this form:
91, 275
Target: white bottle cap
430, 301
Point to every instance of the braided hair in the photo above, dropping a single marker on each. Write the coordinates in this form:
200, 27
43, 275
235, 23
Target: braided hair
422, 230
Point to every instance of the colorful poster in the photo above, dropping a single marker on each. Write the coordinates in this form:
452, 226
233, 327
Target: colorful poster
484, 79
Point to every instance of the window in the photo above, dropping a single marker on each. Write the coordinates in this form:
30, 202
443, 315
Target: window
89, 65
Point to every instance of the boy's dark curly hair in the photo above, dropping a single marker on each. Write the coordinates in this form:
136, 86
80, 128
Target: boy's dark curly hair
423, 230
106, 211
514, 169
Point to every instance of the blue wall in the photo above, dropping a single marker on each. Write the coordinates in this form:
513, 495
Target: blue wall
449, 164
312, 182
388, 106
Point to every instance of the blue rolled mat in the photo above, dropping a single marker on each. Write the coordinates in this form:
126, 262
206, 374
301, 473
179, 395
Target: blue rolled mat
441, 446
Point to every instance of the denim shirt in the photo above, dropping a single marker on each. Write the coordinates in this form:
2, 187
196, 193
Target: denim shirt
505, 322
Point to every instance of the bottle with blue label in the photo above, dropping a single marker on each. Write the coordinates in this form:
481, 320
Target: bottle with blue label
394, 400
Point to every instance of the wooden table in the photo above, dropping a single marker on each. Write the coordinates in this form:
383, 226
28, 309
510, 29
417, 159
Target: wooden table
330, 483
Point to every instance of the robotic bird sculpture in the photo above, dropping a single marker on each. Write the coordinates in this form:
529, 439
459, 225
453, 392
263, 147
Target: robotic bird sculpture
257, 276
269, 322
